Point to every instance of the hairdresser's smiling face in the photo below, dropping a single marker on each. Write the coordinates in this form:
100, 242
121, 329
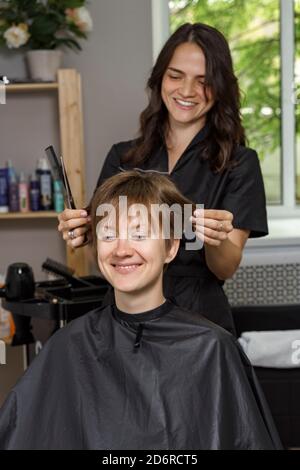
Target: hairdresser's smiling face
131, 260
182, 89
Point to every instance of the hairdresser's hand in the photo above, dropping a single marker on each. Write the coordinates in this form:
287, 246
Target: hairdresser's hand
74, 226
212, 226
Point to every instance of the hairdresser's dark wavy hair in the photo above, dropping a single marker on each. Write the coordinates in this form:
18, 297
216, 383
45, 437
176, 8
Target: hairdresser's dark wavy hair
223, 119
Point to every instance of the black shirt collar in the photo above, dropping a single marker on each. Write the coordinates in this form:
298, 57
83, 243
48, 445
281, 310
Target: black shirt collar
199, 137
159, 159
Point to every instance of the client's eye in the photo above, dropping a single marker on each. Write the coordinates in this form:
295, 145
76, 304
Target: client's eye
138, 236
107, 237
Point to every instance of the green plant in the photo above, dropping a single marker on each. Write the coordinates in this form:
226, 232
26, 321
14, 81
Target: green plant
43, 24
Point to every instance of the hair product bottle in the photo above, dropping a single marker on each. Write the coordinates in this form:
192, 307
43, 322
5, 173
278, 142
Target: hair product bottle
34, 193
44, 174
13, 193
3, 190
13, 190
23, 193
58, 196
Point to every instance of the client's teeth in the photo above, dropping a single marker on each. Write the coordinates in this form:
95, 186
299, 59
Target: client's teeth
127, 267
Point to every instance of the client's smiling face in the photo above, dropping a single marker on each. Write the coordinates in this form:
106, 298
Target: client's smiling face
130, 257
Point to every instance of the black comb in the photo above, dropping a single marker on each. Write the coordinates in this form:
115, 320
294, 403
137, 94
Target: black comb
59, 172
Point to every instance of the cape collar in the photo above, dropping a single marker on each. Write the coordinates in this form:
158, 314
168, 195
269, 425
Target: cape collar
143, 316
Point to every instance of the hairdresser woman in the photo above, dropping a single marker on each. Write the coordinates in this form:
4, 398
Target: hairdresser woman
192, 130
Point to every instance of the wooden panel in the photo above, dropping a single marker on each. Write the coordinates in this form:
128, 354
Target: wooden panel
72, 146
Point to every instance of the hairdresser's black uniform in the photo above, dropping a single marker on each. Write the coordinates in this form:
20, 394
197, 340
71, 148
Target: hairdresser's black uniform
239, 190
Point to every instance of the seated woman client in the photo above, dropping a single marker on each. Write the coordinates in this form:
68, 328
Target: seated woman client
141, 373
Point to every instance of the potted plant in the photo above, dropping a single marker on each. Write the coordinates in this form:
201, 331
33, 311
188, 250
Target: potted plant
42, 28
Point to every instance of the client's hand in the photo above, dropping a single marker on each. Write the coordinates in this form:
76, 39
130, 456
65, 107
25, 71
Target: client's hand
74, 226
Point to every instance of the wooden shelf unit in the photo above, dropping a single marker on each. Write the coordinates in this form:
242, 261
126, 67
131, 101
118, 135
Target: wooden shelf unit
22, 87
28, 215
68, 88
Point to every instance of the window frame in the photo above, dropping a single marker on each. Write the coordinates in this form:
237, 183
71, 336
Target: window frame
288, 209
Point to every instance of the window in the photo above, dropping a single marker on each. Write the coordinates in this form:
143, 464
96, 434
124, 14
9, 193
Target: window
297, 97
257, 31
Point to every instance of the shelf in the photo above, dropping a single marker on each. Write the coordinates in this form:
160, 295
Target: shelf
67, 91
15, 87
29, 215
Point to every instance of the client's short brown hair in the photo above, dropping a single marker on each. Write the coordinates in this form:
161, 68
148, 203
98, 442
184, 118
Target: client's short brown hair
140, 188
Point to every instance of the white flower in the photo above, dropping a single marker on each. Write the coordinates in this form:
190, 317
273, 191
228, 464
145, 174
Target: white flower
81, 17
16, 36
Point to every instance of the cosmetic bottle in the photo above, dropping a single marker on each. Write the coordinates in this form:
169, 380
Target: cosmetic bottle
11, 172
45, 185
3, 190
23, 193
34, 193
13, 192
39, 168
58, 196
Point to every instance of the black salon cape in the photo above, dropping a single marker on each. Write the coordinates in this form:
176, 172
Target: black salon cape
186, 385
239, 190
